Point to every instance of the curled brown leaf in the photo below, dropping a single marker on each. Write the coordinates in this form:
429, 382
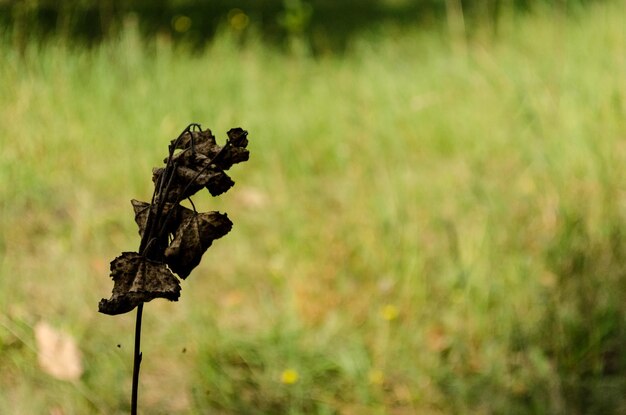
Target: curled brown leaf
195, 137
142, 210
136, 280
194, 236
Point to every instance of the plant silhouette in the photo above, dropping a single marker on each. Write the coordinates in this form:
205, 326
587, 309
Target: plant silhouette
173, 237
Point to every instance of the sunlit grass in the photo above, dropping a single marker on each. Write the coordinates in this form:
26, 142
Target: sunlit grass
419, 229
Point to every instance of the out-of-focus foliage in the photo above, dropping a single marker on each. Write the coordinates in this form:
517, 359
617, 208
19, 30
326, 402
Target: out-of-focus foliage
439, 227
324, 23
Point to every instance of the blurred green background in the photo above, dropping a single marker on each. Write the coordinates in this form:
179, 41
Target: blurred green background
432, 221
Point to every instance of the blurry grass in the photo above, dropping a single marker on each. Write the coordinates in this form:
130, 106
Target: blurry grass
417, 231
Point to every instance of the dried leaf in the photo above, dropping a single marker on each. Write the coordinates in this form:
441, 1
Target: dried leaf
199, 177
237, 152
203, 165
138, 280
194, 236
199, 163
142, 210
199, 138
238, 137
57, 352
204, 148
219, 183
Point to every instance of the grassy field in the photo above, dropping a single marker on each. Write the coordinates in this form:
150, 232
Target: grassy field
426, 226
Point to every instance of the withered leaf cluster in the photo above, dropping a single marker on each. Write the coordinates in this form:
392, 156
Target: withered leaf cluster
173, 237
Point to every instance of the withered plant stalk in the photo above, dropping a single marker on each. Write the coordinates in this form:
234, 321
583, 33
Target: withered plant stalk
173, 237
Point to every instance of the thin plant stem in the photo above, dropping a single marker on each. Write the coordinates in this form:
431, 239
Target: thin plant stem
146, 239
154, 219
136, 361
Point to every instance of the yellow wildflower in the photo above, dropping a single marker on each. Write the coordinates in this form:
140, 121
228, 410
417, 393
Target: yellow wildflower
289, 377
390, 312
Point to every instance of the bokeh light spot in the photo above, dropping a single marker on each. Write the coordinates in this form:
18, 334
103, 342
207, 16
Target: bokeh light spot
181, 24
237, 19
376, 377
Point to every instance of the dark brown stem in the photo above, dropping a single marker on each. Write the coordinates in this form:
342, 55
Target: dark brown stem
151, 224
136, 361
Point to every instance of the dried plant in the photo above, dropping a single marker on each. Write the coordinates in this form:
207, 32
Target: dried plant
173, 237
